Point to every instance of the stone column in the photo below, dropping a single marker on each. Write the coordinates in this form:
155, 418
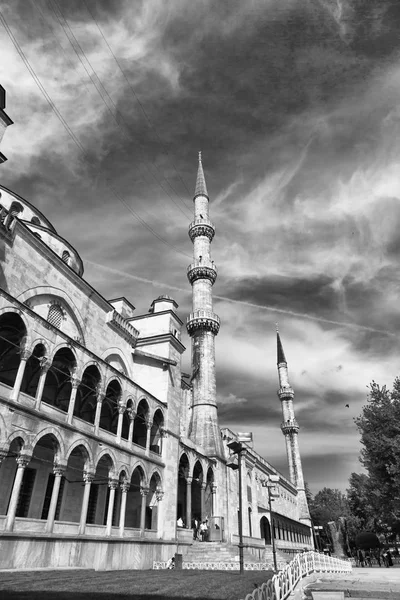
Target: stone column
121, 410
124, 492
143, 491
131, 415
75, 384
87, 478
112, 484
22, 462
163, 435
189, 502
58, 471
202, 500
213, 498
149, 425
100, 397
44, 369
25, 354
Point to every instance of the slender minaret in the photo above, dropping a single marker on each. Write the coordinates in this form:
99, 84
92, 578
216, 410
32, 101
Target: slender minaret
5, 120
290, 430
203, 325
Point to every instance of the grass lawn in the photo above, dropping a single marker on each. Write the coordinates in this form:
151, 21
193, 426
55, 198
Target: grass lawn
121, 585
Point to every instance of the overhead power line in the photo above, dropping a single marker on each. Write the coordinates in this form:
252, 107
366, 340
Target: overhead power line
146, 116
76, 140
106, 98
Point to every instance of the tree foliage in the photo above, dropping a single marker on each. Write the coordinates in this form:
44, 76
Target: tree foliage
379, 425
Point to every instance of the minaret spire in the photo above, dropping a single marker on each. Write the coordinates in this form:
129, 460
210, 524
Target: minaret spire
203, 325
201, 187
290, 430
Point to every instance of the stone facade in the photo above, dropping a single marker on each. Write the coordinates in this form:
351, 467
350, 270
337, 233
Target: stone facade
104, 443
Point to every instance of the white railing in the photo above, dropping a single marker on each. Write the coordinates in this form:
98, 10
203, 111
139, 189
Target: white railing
283, 583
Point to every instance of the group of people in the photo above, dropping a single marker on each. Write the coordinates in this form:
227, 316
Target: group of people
366, 558
200, 529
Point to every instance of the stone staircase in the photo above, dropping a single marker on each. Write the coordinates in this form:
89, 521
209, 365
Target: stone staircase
217, 552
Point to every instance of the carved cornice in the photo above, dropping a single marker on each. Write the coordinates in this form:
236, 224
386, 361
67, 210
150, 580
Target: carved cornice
286, 393
202, 270
290, 426
203, 320
200, 227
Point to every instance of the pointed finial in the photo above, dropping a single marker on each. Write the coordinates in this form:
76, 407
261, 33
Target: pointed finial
201, 188
281, 354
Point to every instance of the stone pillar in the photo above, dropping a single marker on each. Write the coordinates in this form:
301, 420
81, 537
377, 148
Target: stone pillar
112, 484
58, 471
75, 384
163, 435
22, 462
87, 478
100, 397
202, 500
213, 498
189, 501
121, 410
44, 369
124, 492
131, 415
25, 354
143, 491
149, 425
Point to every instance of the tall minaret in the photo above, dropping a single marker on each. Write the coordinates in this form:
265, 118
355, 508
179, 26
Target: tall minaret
203, 325
5, 120
290, 430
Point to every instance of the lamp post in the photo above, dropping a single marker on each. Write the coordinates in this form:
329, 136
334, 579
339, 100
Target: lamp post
237, 448
270, 485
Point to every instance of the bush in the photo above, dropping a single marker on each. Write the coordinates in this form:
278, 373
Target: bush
366, 540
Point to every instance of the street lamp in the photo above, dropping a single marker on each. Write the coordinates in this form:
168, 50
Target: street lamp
270, 485
237, 448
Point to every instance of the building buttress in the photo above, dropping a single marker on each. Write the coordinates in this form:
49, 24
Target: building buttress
203, 325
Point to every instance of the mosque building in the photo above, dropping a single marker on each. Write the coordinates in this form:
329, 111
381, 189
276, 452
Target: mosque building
108, 451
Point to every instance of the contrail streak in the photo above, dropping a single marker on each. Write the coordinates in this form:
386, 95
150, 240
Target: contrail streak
282, 311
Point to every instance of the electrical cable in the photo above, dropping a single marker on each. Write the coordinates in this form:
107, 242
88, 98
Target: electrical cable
103, 93
146, 116
76, 140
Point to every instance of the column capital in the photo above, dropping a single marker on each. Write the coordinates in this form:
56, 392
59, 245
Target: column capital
88, 476
113, 484
144, 490
23, 460
3, 454
75, 382
125, 485
59, 469
149, 423
25, 353
203, 485
214, 488
131, 413
100, 393
44, 364
189, 480
159, 494
121, 409
163, 432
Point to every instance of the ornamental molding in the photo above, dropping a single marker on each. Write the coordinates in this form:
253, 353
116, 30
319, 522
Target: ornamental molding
202, 271
203, 320
290, 426
201, 227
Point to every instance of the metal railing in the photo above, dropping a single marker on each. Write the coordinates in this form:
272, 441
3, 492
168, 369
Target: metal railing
283, 583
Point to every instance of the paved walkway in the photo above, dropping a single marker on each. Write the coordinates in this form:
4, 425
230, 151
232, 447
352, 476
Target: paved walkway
373, 583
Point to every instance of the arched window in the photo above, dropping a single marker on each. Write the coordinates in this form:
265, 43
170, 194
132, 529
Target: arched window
55, 315
65, 256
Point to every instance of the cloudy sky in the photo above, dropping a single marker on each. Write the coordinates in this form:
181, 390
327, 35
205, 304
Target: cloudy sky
295, 106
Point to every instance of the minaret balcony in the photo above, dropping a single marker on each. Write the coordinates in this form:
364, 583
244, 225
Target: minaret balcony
285, 393
202, 226
290, 426
203, 320
202, 269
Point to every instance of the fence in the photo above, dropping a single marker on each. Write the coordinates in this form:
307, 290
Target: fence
284, 582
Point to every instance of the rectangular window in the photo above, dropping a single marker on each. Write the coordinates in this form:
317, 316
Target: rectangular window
25, 493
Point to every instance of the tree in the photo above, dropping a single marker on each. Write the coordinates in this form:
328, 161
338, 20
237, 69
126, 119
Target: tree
330, 509
361, 501
379, 425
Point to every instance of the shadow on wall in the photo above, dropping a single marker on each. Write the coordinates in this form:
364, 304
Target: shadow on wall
3, 282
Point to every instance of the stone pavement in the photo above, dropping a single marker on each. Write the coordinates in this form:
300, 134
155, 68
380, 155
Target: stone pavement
372, 583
